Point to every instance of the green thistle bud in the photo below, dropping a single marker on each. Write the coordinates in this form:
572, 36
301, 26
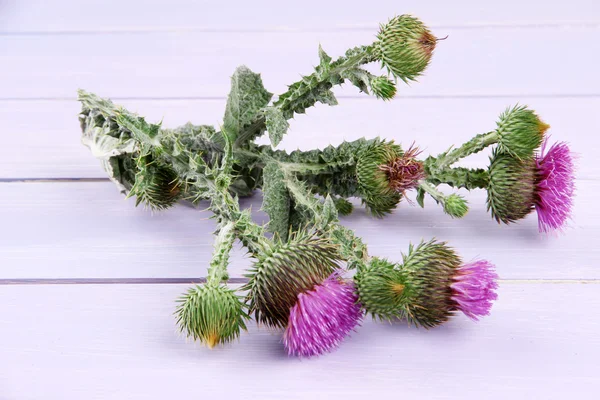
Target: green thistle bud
380, 288
285, 270
377, 194
456, 206
157, 186
511, 187
520, 131
383, 88
427, 272
405, 47
212, 314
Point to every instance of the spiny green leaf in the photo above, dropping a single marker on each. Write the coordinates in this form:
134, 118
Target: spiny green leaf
276, 123
246, 98
276, 200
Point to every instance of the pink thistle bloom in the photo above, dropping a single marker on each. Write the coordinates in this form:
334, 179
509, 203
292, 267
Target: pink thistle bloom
474, 288
322, 317
555, 187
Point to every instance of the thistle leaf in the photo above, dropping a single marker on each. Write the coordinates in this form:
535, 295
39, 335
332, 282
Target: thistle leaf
276, 123
246, 98
141, 130
276, 200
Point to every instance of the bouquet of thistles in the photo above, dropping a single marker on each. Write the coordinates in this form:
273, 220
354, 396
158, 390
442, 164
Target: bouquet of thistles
312, 277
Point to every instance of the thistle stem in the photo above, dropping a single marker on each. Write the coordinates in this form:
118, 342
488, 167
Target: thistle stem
474, 145
460, 177
217, 272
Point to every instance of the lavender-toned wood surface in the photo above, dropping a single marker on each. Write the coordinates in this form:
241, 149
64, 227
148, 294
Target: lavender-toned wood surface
88, 282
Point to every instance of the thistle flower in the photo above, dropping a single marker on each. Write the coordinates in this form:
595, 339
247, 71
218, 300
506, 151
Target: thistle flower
381, 289
212, 314
283, 271
383, 88
405, 47
520, 131
555, 186
474, 288
544, 183
438, 284
322, 317
404, 172
374, 185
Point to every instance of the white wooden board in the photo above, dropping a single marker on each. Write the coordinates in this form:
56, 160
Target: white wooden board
87, 230
120, 342
477, 62
64, 16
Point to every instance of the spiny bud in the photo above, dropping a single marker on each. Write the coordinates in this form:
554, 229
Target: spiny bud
157, 186
520, 131
511, 187
381, 289
428, 270
456, 206
373, 182
212, 314
383, 88
283, 271
405, 47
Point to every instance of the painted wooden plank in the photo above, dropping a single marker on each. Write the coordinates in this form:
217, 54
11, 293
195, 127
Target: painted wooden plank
87, 230
120, 342
41, 138
102, 15
476, 62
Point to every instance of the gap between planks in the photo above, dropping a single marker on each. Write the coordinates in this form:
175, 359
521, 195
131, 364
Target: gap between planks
285, 29
176, 281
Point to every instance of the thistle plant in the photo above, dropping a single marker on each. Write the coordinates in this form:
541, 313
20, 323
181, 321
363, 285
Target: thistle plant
312, 278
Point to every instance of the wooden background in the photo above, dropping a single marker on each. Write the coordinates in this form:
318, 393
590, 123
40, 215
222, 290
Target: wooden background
88, 281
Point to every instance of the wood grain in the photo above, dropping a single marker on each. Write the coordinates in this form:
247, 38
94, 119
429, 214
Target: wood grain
64, 16
120, 342
86, 230
478, 62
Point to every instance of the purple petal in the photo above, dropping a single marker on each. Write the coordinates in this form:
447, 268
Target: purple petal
322, 318
555, 188
474, 288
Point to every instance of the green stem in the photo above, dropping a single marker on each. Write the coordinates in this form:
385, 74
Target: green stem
460, 177
217, 272
474, 145
433, 192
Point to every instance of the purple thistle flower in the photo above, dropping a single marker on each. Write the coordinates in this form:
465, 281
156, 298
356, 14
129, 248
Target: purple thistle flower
555, 187
474, 288
322, 317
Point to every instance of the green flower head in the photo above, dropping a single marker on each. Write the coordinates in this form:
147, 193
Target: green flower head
284, 270
520, 132
405, 47
428, 272
157, 186
380, 288
456, 206
511, 188
383, 88
212, 314
373, 183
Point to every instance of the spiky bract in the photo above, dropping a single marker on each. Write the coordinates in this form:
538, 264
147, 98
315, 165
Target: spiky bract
383, 88
555, 187
377, 194
380, 288
212, 314
428, 271
405, 47
284, 270
455, 206
322, 317
511, 187
156, 186
520, 132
